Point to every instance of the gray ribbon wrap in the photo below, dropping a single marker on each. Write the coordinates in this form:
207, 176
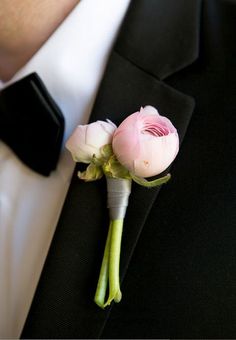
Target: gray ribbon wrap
118, 191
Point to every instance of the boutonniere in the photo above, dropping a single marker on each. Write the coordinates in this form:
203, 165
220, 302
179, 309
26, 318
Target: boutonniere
142, 146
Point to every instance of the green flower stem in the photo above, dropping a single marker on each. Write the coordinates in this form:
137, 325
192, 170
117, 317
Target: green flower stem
114, 262
100, 294
110, 268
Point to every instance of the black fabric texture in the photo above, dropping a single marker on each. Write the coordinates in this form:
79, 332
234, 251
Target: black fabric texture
178, 246
31, 123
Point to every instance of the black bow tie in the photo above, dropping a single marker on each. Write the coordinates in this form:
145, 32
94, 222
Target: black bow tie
31, 123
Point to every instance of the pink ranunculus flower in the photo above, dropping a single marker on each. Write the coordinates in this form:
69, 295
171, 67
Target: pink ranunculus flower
86, 140
146, 143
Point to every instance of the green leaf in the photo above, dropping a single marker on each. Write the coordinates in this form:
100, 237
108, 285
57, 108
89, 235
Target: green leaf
92, 173
150, 184
106, 151
97, 161
113, 168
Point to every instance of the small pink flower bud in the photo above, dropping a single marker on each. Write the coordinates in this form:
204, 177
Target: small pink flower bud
86, 140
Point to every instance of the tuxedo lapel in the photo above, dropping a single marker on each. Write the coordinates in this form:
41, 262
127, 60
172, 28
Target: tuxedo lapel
63, 305
161, 36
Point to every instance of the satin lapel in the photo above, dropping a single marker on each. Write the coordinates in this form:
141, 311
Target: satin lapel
161, 36
63, 305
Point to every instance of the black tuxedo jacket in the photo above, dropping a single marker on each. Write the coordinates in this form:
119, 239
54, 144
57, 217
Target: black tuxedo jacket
178, 260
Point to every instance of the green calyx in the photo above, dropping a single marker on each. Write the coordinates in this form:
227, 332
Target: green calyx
107, 164
113, 168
